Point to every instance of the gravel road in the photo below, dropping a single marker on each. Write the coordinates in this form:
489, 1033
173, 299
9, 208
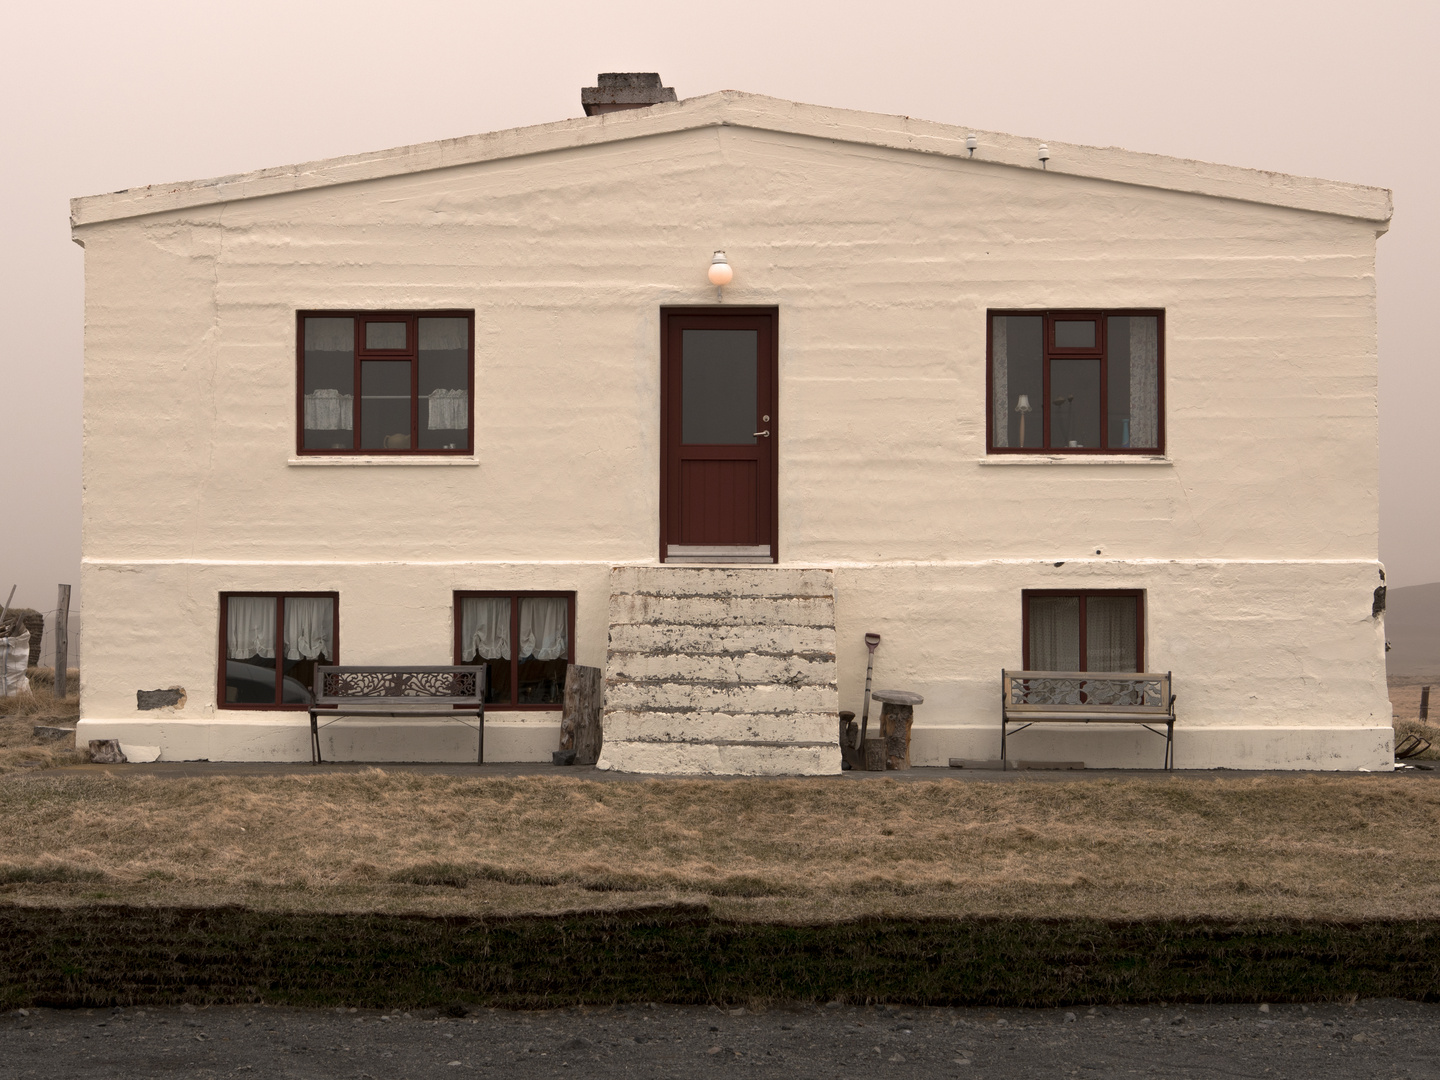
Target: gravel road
1382, 1039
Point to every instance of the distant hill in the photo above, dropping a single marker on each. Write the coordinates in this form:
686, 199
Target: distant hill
1412, 625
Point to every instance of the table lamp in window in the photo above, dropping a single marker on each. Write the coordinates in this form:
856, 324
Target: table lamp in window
1022, 406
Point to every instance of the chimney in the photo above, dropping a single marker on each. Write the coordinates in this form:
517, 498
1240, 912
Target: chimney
624, 90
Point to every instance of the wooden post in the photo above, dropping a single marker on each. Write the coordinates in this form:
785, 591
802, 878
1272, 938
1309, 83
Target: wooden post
1424, 703
62, 642
895, 720
580, 723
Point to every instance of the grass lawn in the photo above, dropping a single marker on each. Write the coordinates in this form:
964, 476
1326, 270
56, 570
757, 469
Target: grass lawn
1304, 847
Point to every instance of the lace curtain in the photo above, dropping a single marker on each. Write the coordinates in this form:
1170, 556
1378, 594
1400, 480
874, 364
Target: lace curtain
544, 627
330, 410
1110, 633
444, 335
1000, 379
309, 628
449, 410
1144, 382
485, 628
1054, 633
250, 627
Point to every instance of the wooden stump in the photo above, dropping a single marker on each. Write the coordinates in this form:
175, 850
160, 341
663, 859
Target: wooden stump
580, 723
895, 721
874, 755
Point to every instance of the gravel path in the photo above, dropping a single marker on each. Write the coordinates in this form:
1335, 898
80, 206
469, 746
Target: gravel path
1381, 1039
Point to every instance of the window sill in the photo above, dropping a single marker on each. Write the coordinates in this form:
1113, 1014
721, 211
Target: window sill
1074, 459
397, 459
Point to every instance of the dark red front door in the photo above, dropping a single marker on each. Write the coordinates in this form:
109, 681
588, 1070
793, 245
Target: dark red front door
718, 435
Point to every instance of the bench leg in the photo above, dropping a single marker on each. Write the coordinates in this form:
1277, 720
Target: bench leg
1170, 746
314, 741
1003, 724
480, 725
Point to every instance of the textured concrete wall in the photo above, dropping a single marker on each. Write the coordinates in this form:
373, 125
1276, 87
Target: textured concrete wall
882, 263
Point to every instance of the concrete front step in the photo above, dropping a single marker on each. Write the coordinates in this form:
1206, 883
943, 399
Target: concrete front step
721, 670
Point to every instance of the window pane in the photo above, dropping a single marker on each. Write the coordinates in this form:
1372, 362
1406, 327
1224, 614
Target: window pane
718, 386
1054, 633
1074, 402
1017, 368
1133, 394
385, 404
385, 335
1074, 334
250, 650
444, 382
1110, 633
485, 640
309, 623
329, 384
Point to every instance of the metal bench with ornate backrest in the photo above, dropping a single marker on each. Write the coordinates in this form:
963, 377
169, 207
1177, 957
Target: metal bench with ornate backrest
1088, 697
399, 692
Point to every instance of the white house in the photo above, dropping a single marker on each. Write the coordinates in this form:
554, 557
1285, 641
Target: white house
478, 401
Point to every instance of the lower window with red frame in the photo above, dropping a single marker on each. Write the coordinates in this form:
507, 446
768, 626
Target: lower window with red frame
254, 673
524, 639
1084, 629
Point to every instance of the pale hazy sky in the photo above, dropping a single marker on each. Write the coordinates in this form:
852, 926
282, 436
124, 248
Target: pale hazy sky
103, 96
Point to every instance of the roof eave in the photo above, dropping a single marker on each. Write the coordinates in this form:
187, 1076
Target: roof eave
733, 108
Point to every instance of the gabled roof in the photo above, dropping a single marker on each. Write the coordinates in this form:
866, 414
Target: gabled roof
735, 109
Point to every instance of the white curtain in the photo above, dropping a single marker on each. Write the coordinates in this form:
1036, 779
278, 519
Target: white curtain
485, 628
1054, 633
544, 627
1110, 633
330, 410
1000, 379
1144, 381
250, 627
309, 627
330, 335
449, 410
444, 334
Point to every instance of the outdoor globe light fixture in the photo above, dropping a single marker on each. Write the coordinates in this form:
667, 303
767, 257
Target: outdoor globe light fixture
721, 273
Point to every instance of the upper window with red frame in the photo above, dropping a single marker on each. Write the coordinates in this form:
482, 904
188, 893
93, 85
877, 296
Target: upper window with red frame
386, 382
1076, 382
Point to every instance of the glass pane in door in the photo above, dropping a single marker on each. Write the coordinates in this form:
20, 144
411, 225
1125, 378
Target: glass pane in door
718, 386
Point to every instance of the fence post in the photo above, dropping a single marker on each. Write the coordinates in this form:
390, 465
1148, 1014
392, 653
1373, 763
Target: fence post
1425, 703
62, 641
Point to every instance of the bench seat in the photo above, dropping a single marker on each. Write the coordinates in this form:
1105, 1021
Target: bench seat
1087, 697
451, 692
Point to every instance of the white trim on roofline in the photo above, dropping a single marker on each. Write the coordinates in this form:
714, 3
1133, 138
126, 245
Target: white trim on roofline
736, 109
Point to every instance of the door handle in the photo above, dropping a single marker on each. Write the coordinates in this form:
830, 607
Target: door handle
756, 434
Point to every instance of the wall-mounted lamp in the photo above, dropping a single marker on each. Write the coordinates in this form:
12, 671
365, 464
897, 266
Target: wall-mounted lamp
721, 273
1044, 155
1022, 406
971, 142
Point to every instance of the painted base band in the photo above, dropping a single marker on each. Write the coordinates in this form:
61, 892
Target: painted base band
288, 739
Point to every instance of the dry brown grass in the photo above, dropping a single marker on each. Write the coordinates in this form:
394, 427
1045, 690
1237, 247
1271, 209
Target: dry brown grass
20, 713
1405, 713
803, 850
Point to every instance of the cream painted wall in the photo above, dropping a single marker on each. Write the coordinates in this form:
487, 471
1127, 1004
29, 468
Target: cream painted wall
1257, 538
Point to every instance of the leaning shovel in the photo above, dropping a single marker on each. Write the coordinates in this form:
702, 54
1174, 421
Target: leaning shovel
871, 640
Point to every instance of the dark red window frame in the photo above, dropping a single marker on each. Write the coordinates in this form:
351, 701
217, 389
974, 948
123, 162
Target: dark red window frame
515, 596
1051, 316
1082, 594
412, 354
279, 646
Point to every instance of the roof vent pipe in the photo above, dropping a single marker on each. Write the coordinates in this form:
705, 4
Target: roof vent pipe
624, 90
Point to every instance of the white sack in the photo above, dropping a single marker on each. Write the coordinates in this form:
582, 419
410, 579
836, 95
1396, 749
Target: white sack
14, 658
